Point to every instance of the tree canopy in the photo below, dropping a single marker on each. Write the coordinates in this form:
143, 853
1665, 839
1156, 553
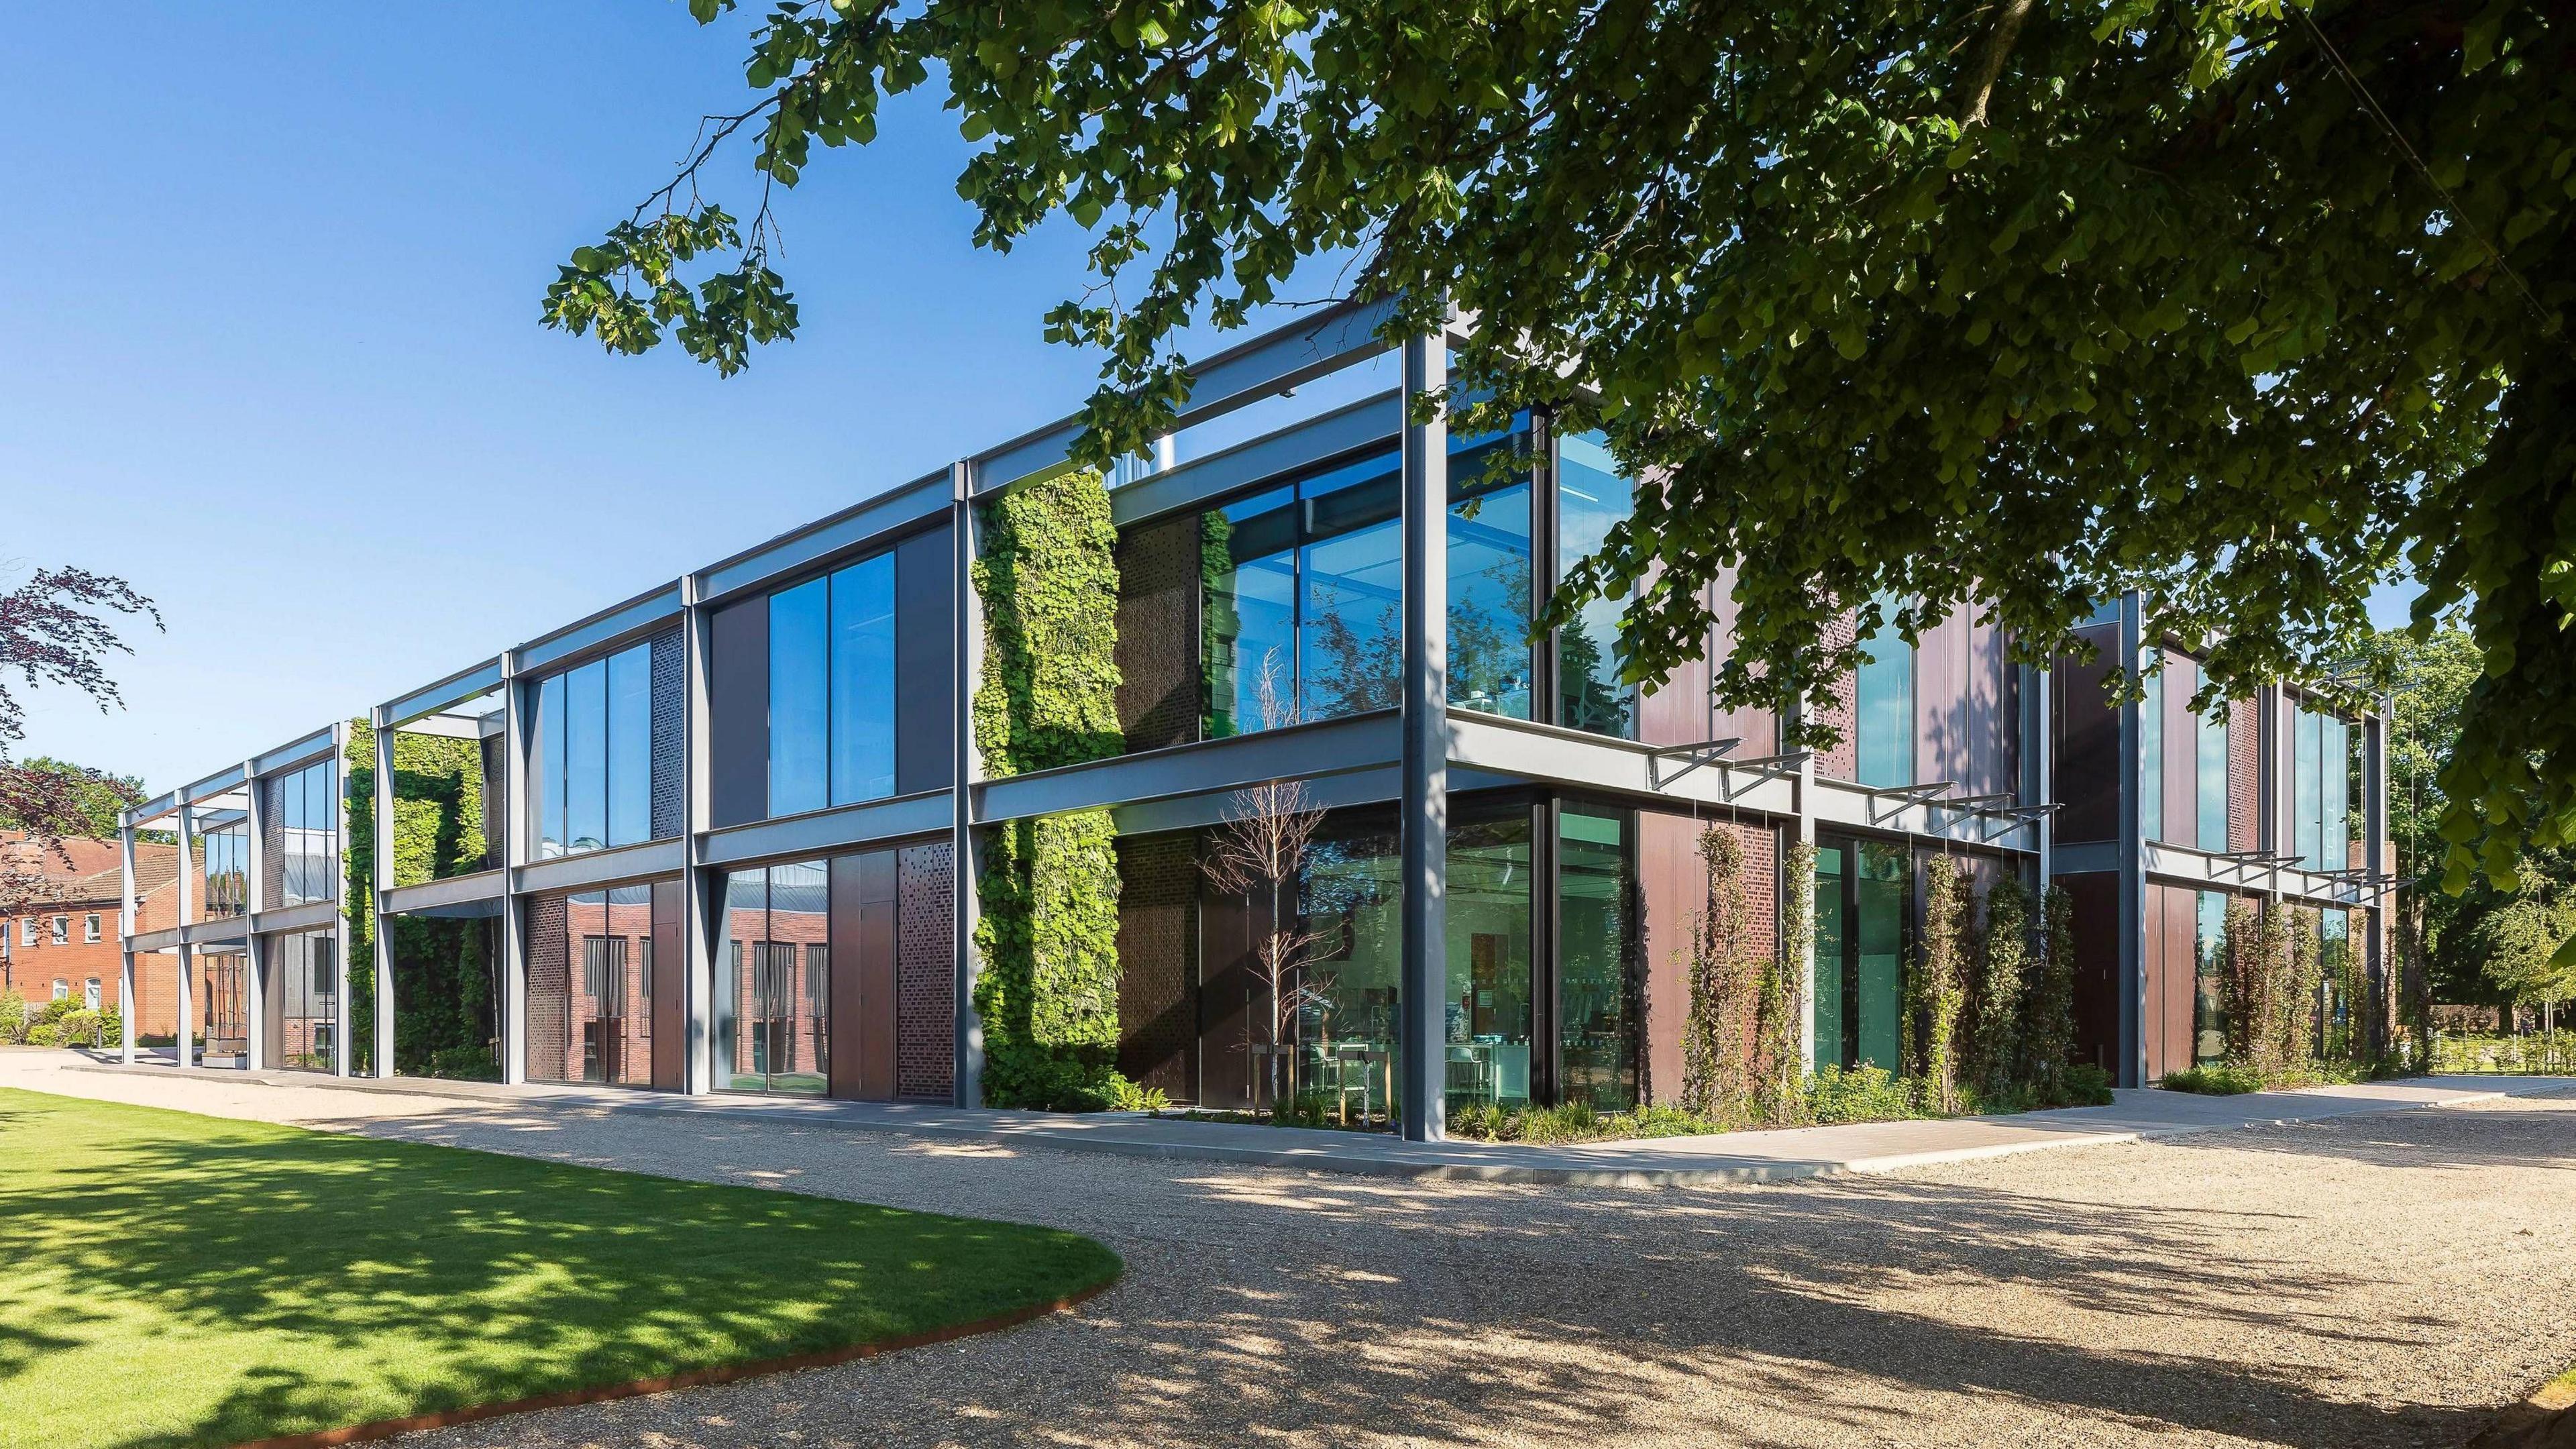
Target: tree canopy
54, 629
2246, 304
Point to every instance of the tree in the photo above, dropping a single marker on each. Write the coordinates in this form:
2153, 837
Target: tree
95, 797
53, 631
2519, 945
1258, 852
2006, 308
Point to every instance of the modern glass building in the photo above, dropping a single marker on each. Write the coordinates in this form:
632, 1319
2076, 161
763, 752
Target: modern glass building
710, 838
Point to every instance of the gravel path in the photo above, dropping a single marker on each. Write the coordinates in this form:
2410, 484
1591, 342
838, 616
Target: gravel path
2379, 1280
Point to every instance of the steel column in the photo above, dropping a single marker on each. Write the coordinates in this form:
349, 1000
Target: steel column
1424, 983
513, 1005
187, 958
698, 926
258, 1051
1807, 838
2131, 976
129, 1006
381, 880
966, 644
2374, 807
341, 1026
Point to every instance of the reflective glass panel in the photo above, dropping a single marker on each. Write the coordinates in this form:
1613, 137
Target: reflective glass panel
1350, 634
2308, 801
1592, 497
304, 970
772, 1028
1831, 945
1886, 711
2151, 759
549, 782
608, 1007
630, 746
1350, 897
586, 757
1486, 1015
1595, 978
1490, 585
863, 682
799, 699
2209, 979
1879, 923
2334, 768
2213, 779
1248, 610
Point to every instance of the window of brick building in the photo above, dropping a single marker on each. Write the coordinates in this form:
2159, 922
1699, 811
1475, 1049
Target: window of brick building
62, 930
90, 928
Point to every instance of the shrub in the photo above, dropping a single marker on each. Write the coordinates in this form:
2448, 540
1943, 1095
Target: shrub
13, 1017
1126, 1096
44, 1034
2084, 1085
2226, 1079
111, 1027
78, 1028
58, 1008
1862, 1094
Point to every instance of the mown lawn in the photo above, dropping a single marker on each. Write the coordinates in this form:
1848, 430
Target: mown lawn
172, 1279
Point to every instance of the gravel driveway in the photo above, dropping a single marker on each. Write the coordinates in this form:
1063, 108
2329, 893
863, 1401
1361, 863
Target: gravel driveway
2378, 1280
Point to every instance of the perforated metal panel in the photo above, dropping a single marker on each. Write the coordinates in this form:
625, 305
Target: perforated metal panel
925, 973
1158, 884
670, 732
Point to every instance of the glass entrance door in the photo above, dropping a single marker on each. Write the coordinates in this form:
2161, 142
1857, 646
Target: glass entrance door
772, 999
1861, 893
224, 1030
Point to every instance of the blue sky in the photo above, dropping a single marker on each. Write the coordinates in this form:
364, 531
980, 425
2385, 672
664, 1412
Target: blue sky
270, 288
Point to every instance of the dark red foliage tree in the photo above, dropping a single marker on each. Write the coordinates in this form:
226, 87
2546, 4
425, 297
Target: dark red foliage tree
54, 630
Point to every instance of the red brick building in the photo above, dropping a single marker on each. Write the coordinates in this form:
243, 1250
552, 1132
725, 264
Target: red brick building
66, 940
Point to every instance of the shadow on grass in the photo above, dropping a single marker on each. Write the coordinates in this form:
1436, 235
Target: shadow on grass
1859, 1310
339, 1279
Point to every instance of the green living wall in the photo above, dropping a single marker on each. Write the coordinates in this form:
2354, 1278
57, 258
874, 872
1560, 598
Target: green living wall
1047, 992
444, 970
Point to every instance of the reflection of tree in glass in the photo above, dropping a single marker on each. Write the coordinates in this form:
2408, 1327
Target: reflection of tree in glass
1350, 669
1220, 624
1593, 699
1489, 657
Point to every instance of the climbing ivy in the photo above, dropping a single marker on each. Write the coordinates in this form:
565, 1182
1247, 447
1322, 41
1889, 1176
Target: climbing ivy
445, 1025
1048, 934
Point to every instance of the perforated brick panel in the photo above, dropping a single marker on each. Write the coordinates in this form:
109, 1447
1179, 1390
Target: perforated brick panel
1158, 644
1842, 762
2244, 776
549, 987
925, 973
1158, 886
272, 847
670, 731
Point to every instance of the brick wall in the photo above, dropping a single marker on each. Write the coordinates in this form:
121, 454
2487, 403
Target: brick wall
2244, 776
1842, 762
925, 973
549, 987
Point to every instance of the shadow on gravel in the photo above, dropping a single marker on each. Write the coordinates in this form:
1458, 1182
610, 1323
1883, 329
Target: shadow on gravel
1260, 1303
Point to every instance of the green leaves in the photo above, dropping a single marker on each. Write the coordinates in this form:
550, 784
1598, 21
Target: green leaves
2180, 315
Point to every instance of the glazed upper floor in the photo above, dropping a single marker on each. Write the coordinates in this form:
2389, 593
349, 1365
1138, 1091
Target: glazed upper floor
807, 693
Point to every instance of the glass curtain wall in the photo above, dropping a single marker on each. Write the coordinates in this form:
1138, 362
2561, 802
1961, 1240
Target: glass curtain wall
1862, 900
1592, 497
1486, 1015
304, 980
223, 983
2211, 762
2334, 958
1596, 979
608, 1018
593, 775
224, 853
832, 688
447, 978
2209, 979
1302, 600
772, 1025
309, 816
2151, 758
1884, 717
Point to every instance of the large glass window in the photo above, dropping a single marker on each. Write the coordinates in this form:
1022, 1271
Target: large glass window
772, 992
224, 852
1490, 582
863, 682
1486, 1014
1885, 690
1304, 584
304, 972
608, 1011
2151, 759
1592, 497
1861, 904
2334, 838
2307, 800
593, 766
2212, 762
2334, 960
2209, 979
308, 803
1596, 997
832, 689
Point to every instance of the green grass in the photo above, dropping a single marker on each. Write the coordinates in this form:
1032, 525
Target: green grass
171, 1279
